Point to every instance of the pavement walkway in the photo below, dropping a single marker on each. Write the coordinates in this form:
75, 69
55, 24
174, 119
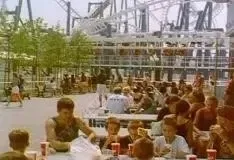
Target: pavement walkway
33, 114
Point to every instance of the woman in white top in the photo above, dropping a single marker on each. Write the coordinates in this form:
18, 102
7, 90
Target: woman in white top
170, 145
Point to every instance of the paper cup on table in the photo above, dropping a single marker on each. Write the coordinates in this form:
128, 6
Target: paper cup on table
191, 157
44, 148
32, 155
115, 148
211, 154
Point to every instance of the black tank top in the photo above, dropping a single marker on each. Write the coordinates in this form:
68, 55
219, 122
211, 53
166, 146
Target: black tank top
66, 133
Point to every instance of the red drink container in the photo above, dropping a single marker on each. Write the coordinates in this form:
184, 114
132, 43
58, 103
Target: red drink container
44, 148
115, 148
211, 154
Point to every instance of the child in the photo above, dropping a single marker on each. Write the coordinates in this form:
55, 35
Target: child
143, 149
170, 145
133, 135
112, 128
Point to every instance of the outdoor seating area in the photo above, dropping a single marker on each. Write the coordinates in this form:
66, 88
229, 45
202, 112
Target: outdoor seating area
116, 80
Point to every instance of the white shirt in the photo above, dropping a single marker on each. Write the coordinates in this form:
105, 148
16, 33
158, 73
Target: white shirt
130, 100
117, 104
177, 146
159, 98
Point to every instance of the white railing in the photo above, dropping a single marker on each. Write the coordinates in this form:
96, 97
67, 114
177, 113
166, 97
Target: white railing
166, 61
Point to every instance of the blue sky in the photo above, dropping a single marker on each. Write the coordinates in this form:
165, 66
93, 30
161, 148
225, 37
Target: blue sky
49, 10
52, 13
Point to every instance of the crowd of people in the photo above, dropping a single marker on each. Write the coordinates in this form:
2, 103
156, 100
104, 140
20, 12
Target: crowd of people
190, 121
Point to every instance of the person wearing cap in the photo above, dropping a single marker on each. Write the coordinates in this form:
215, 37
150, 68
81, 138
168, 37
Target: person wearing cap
64, 128
222, 134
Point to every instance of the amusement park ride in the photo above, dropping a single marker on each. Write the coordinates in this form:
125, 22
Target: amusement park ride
136, 34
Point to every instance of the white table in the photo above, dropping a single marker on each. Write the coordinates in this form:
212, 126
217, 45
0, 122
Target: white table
102, 131
127, 117
95, 120
82, 156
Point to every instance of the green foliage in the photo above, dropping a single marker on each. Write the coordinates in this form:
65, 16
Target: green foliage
80, 49
34, 44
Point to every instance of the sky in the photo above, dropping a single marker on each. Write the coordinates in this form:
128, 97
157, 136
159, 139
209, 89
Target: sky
52, 13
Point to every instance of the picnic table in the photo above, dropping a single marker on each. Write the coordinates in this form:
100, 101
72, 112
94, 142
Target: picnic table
98, 119
83, 156
102, 131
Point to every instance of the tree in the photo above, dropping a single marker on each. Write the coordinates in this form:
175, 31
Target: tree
80, 50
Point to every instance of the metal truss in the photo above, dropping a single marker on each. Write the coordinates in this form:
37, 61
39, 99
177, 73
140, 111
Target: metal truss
63, 5
92, 26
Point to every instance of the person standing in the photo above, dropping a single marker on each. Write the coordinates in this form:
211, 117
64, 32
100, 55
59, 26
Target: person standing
101, 85
198, 81
21, 84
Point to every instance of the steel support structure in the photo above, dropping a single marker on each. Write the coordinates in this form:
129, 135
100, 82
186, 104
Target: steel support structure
68, 28
202, 17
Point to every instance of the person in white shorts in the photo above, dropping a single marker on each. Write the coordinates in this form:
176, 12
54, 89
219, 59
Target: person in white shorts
101, 85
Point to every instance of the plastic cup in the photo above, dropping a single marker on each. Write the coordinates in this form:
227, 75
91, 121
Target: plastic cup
130, 149
211, 154
32, 155
44, 148
191, 157
115, 147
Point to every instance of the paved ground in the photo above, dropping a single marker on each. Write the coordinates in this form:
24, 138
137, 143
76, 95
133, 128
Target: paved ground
33, 116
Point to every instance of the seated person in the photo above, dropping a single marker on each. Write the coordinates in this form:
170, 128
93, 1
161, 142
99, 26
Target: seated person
13, 156
147, 105
64, 128
112, 128
206, 116
133, 135
170, 145
143, 149
170, 108
19, 141
221, 135
117, 103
